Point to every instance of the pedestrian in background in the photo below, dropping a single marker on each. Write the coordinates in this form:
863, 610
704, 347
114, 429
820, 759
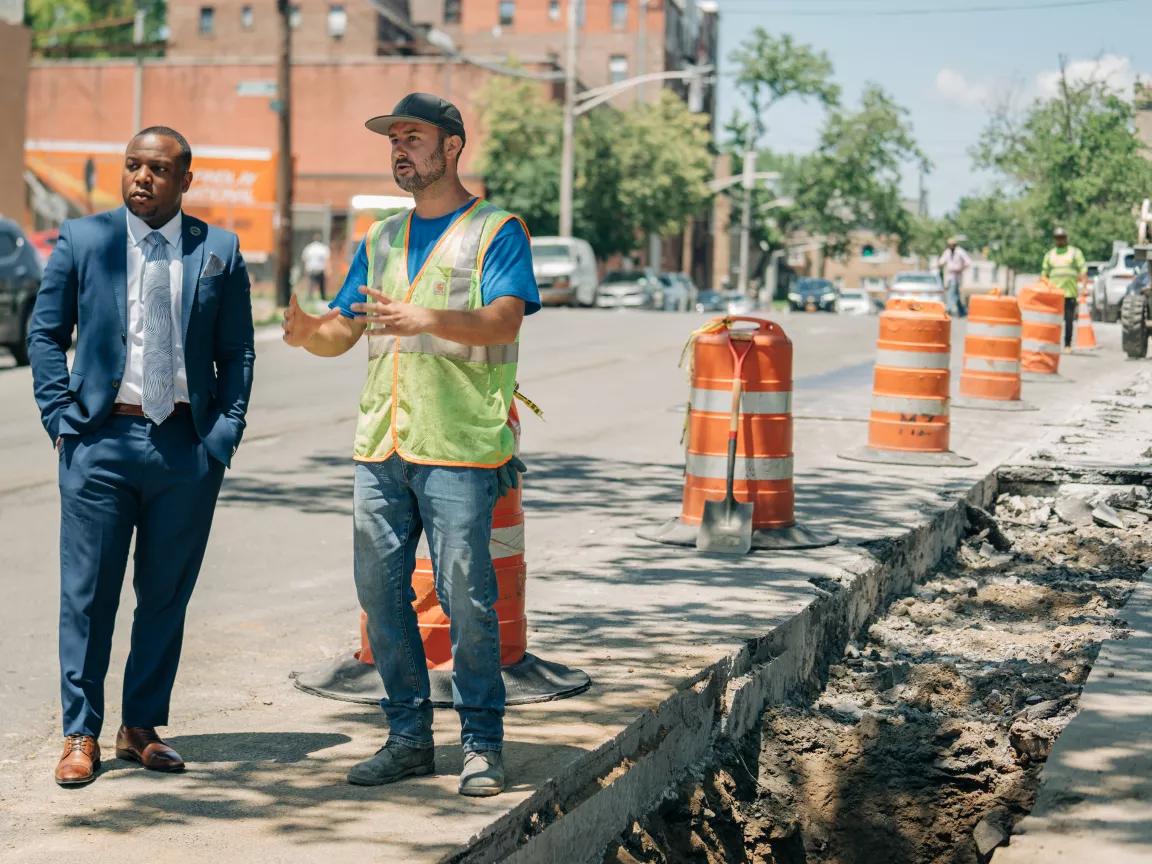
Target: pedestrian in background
314, 258
954, 261
1066, 270
144, 425
448, 285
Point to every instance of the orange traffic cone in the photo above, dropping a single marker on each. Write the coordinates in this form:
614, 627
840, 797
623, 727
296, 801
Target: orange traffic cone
527, 678
763, 472
990, 379
909, 423
1085, 333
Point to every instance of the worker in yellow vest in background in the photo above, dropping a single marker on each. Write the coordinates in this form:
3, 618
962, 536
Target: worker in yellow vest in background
1066, 270
441, 291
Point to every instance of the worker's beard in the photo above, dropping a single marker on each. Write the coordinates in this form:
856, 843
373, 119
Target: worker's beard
418, 182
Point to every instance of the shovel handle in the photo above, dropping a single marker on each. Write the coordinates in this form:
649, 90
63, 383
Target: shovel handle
734, 417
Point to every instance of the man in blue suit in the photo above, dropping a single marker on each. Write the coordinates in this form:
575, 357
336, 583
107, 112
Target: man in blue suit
145, 423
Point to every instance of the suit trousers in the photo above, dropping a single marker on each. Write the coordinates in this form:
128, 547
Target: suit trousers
129, 476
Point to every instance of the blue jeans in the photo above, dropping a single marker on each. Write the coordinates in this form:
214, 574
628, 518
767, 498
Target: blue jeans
394, 502
955, 301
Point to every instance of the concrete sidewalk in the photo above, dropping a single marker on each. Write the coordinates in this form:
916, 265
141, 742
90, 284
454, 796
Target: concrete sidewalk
681, 647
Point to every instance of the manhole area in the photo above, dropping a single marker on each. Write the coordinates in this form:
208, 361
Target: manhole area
925, 744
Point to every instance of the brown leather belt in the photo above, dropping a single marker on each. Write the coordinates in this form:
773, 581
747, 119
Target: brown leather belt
138, 411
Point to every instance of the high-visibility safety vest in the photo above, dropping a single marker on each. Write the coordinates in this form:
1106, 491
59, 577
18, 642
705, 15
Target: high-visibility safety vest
1063, 269
433, 401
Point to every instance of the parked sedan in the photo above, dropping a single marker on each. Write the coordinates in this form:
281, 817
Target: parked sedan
710, 301
19, 282
676, 292
811, 295
628, 289
917, 285
856, 301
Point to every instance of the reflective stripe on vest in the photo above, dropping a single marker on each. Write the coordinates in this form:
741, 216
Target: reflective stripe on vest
912, 359
428, 399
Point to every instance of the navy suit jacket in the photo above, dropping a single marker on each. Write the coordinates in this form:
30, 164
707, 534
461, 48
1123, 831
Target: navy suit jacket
85, 287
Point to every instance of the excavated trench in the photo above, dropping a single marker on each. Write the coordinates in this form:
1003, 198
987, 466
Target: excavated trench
926, 742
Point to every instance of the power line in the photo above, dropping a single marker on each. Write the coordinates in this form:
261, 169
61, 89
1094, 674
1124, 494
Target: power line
726, 9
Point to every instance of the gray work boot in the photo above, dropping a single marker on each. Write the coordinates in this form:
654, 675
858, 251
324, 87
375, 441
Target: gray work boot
394, 761
483, 773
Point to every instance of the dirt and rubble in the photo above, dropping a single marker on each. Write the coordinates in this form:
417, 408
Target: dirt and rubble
926, 743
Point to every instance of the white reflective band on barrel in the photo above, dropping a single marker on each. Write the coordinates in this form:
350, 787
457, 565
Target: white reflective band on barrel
980, 364
505, 543
994, 331
904, 405
757, 468
493, 355
912, 359
1042, 317
751, 401
1041, 347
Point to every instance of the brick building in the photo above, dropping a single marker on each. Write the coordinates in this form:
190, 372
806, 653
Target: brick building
351, 59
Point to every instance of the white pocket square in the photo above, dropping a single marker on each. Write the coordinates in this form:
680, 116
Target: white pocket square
212, 267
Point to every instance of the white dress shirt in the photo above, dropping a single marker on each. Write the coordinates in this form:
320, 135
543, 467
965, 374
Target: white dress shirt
132, 382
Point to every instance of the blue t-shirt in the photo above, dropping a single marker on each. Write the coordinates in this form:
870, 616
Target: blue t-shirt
507, 264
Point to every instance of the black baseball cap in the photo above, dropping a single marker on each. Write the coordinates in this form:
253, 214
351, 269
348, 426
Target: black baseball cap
422, 107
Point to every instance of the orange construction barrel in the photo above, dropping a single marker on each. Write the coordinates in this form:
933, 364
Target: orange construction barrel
527, 678
909, 423
990, 377
763, 470
1042, 316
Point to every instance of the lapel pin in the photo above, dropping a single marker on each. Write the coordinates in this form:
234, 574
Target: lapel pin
194, 231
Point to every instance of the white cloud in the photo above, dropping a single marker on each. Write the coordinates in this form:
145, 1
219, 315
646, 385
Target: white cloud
1112, 70
954, 87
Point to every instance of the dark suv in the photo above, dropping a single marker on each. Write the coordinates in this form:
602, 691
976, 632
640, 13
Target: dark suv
19, 282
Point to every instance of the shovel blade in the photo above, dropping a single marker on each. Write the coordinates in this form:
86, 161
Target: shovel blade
726, 527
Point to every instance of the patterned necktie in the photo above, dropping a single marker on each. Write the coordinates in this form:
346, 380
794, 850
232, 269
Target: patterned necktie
156, 297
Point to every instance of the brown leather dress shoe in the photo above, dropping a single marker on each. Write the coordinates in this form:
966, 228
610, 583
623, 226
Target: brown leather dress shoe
142, 744
80, 761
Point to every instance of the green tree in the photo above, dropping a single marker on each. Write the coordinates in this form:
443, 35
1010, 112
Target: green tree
1072, 160
852, 180
643, 171
87, 28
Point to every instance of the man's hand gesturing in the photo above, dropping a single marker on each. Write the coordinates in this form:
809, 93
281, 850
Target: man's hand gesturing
393, 317
299, 326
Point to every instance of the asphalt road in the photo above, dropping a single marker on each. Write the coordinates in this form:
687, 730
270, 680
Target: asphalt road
604, 379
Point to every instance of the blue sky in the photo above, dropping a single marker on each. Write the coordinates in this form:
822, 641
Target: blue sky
948, 70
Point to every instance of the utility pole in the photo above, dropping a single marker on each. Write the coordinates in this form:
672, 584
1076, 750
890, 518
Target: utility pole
138, 72
284, 158
567, 151
746, 218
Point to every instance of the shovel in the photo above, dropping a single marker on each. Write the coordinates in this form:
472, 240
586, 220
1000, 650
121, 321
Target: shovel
726, 526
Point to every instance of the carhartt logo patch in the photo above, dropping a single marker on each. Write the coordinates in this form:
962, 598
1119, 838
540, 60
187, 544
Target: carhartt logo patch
439, 289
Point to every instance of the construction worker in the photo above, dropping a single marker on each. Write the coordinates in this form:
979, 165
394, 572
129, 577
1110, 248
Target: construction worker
441, 291
1065, 269
954, 261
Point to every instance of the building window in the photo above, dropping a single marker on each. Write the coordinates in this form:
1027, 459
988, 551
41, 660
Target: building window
207, 20
294, 16
619, 14
617, 68
553, 10
451, 11
246, 17
507, 12
337, 20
